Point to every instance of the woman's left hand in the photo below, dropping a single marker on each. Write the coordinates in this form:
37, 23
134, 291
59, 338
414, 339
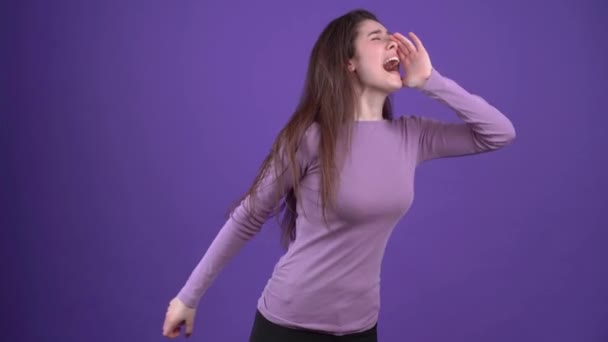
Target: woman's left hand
414, 59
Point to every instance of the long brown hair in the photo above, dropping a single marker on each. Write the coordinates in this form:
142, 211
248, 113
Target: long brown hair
328, 100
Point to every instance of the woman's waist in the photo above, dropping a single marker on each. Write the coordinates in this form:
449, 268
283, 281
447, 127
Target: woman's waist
322, 304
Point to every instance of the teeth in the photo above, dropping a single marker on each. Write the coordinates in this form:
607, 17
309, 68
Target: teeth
391, 59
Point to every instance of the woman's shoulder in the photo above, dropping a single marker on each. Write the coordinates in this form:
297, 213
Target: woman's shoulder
412, 123
409, 120
311, 139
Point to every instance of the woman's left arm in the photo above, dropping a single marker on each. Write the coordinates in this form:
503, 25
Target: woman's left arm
484, 127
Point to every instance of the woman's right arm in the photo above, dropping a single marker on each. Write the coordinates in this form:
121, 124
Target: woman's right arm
244, 224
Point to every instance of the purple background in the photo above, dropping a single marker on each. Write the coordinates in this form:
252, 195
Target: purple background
128, 129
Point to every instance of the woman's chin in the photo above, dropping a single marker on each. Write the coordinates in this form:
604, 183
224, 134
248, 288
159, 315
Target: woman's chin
394, 85
394, 82
387, 85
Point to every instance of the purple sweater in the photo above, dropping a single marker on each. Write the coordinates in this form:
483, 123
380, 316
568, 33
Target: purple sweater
329, 278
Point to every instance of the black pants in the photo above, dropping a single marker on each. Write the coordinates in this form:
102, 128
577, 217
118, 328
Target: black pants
265, 331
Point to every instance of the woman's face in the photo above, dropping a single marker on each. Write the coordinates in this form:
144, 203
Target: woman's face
376, 62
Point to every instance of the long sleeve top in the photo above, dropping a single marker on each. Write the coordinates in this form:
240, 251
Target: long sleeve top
329, 278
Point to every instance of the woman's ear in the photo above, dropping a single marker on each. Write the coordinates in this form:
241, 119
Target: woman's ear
351, 66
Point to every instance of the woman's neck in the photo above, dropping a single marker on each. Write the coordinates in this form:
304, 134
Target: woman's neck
369, 108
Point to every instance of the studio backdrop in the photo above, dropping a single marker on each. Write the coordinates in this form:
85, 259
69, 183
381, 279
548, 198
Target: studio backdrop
129, 128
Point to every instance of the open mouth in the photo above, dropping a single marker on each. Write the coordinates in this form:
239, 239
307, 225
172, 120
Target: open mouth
391, 64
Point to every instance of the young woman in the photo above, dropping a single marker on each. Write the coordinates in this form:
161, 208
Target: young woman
342, 173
